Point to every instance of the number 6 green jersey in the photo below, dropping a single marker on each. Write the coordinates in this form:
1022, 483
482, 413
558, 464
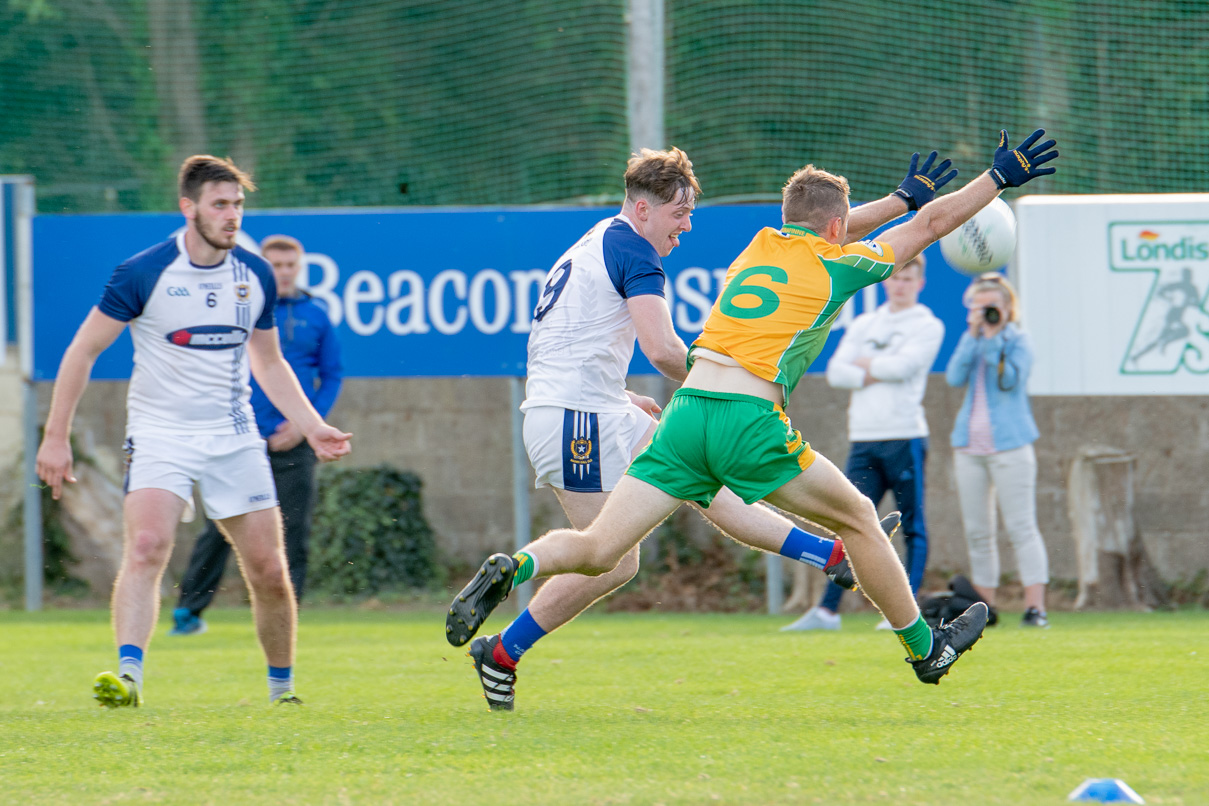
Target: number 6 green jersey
781, 295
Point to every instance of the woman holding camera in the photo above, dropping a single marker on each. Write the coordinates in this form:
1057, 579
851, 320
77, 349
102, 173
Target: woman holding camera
993, 442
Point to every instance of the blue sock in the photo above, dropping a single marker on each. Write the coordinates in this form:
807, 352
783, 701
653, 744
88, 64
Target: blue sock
807, 548
281, 681
130, 661
520, 635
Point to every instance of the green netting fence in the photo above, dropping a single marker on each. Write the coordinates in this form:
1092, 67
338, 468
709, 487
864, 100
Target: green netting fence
472, 102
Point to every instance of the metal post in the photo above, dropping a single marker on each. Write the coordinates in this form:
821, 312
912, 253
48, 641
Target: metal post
645, 74
4, 274
775, 585
521, 521
23, 204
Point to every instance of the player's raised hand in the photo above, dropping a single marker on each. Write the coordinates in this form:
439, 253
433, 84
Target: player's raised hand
1015, 166
921, 184
329, 443
54, 464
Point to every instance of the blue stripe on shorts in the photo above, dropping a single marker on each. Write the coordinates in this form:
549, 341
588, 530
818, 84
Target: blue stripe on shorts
581, 452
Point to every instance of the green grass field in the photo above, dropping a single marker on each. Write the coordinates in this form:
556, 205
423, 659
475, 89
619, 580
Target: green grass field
621, 709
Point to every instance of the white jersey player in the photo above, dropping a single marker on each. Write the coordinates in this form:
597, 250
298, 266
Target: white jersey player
209, 311
583, 428
200, 311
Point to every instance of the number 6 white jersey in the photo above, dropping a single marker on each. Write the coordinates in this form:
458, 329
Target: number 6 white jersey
189, 325
583, 337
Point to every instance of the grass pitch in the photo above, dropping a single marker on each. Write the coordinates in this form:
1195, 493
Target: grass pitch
615, 709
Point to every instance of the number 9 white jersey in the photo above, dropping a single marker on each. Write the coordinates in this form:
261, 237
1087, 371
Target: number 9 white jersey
190, 325
583, 337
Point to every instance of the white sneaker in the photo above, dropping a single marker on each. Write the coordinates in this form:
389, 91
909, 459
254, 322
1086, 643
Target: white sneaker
883, 625
815, 619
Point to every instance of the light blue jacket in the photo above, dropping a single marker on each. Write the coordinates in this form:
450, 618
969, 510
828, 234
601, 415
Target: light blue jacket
1012, 424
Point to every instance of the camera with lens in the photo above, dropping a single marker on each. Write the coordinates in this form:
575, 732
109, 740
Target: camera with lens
991, 315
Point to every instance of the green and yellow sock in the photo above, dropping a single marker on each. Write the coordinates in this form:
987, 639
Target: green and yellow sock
916, 638
526, 567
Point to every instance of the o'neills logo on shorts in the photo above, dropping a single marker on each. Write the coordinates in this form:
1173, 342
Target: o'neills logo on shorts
209, 337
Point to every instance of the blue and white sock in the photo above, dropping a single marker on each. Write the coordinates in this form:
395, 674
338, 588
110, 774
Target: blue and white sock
130, 661
519, 636
807, 548
281, 681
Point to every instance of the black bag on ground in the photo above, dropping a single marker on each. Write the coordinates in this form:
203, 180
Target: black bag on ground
950, 604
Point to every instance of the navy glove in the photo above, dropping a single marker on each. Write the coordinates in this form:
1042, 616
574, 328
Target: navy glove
1012, 168
921, 184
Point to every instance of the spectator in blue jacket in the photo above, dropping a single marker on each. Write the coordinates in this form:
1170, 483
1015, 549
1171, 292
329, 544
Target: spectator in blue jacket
993, 443
309, 344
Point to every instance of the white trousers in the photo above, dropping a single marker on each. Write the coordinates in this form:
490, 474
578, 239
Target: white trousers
1011, 476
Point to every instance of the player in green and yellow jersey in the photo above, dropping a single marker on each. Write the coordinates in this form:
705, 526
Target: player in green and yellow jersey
727, 425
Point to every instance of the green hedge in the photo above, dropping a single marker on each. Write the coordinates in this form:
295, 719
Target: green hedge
369, 534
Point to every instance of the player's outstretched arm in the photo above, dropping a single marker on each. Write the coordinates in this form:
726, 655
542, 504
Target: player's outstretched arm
657, 337
54, 461
280, 385
917, 189
1011, 168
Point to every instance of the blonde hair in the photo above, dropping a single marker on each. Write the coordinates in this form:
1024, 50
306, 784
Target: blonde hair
814, 197
993, 281
282, 242
919, 262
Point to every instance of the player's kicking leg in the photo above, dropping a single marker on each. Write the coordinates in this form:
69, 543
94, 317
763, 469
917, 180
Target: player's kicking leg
150, 517
559, 601
633, 509
564, 597
823, 495
257, 538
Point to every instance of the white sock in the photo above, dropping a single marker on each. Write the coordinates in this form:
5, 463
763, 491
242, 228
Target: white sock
279, 686
132, 667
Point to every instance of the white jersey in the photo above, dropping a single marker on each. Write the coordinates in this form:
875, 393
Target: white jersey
902, 347
583, 337
189, 325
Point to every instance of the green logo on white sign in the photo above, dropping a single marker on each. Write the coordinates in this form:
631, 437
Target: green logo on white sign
1172, 329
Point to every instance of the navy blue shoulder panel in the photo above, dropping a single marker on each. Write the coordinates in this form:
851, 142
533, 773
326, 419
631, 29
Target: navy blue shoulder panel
633, 264
264, 273
133, 281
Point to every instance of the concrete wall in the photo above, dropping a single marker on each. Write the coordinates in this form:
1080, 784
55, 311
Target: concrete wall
456, 434
10, 431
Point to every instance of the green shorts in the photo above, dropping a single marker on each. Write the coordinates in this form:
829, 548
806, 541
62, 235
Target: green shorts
709, 440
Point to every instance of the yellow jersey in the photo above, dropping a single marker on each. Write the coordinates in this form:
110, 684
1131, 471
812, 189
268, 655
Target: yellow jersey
781, 295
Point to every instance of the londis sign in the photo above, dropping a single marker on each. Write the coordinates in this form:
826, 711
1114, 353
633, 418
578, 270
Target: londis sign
1171, 330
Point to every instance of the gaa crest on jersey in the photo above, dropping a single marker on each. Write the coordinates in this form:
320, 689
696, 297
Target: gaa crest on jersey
209, 337
243, 291
874, 247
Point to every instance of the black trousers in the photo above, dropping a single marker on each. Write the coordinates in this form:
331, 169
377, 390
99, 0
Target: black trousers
294, 475
896, 465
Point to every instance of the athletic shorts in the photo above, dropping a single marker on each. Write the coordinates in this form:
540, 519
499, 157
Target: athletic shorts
231, 471
580, 451
709, 440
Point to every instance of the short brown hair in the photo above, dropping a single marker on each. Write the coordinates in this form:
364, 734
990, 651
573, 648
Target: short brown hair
813, 196
202, 168
282, 242
660, 175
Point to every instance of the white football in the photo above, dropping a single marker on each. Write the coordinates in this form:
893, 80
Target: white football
984, 243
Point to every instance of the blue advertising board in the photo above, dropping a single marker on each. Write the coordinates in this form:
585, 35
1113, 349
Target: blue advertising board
422, 293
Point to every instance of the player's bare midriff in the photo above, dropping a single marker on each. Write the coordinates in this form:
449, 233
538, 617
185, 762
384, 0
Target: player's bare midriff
714, 372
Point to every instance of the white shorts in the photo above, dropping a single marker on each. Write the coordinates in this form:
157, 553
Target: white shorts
231, 471
583, 452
